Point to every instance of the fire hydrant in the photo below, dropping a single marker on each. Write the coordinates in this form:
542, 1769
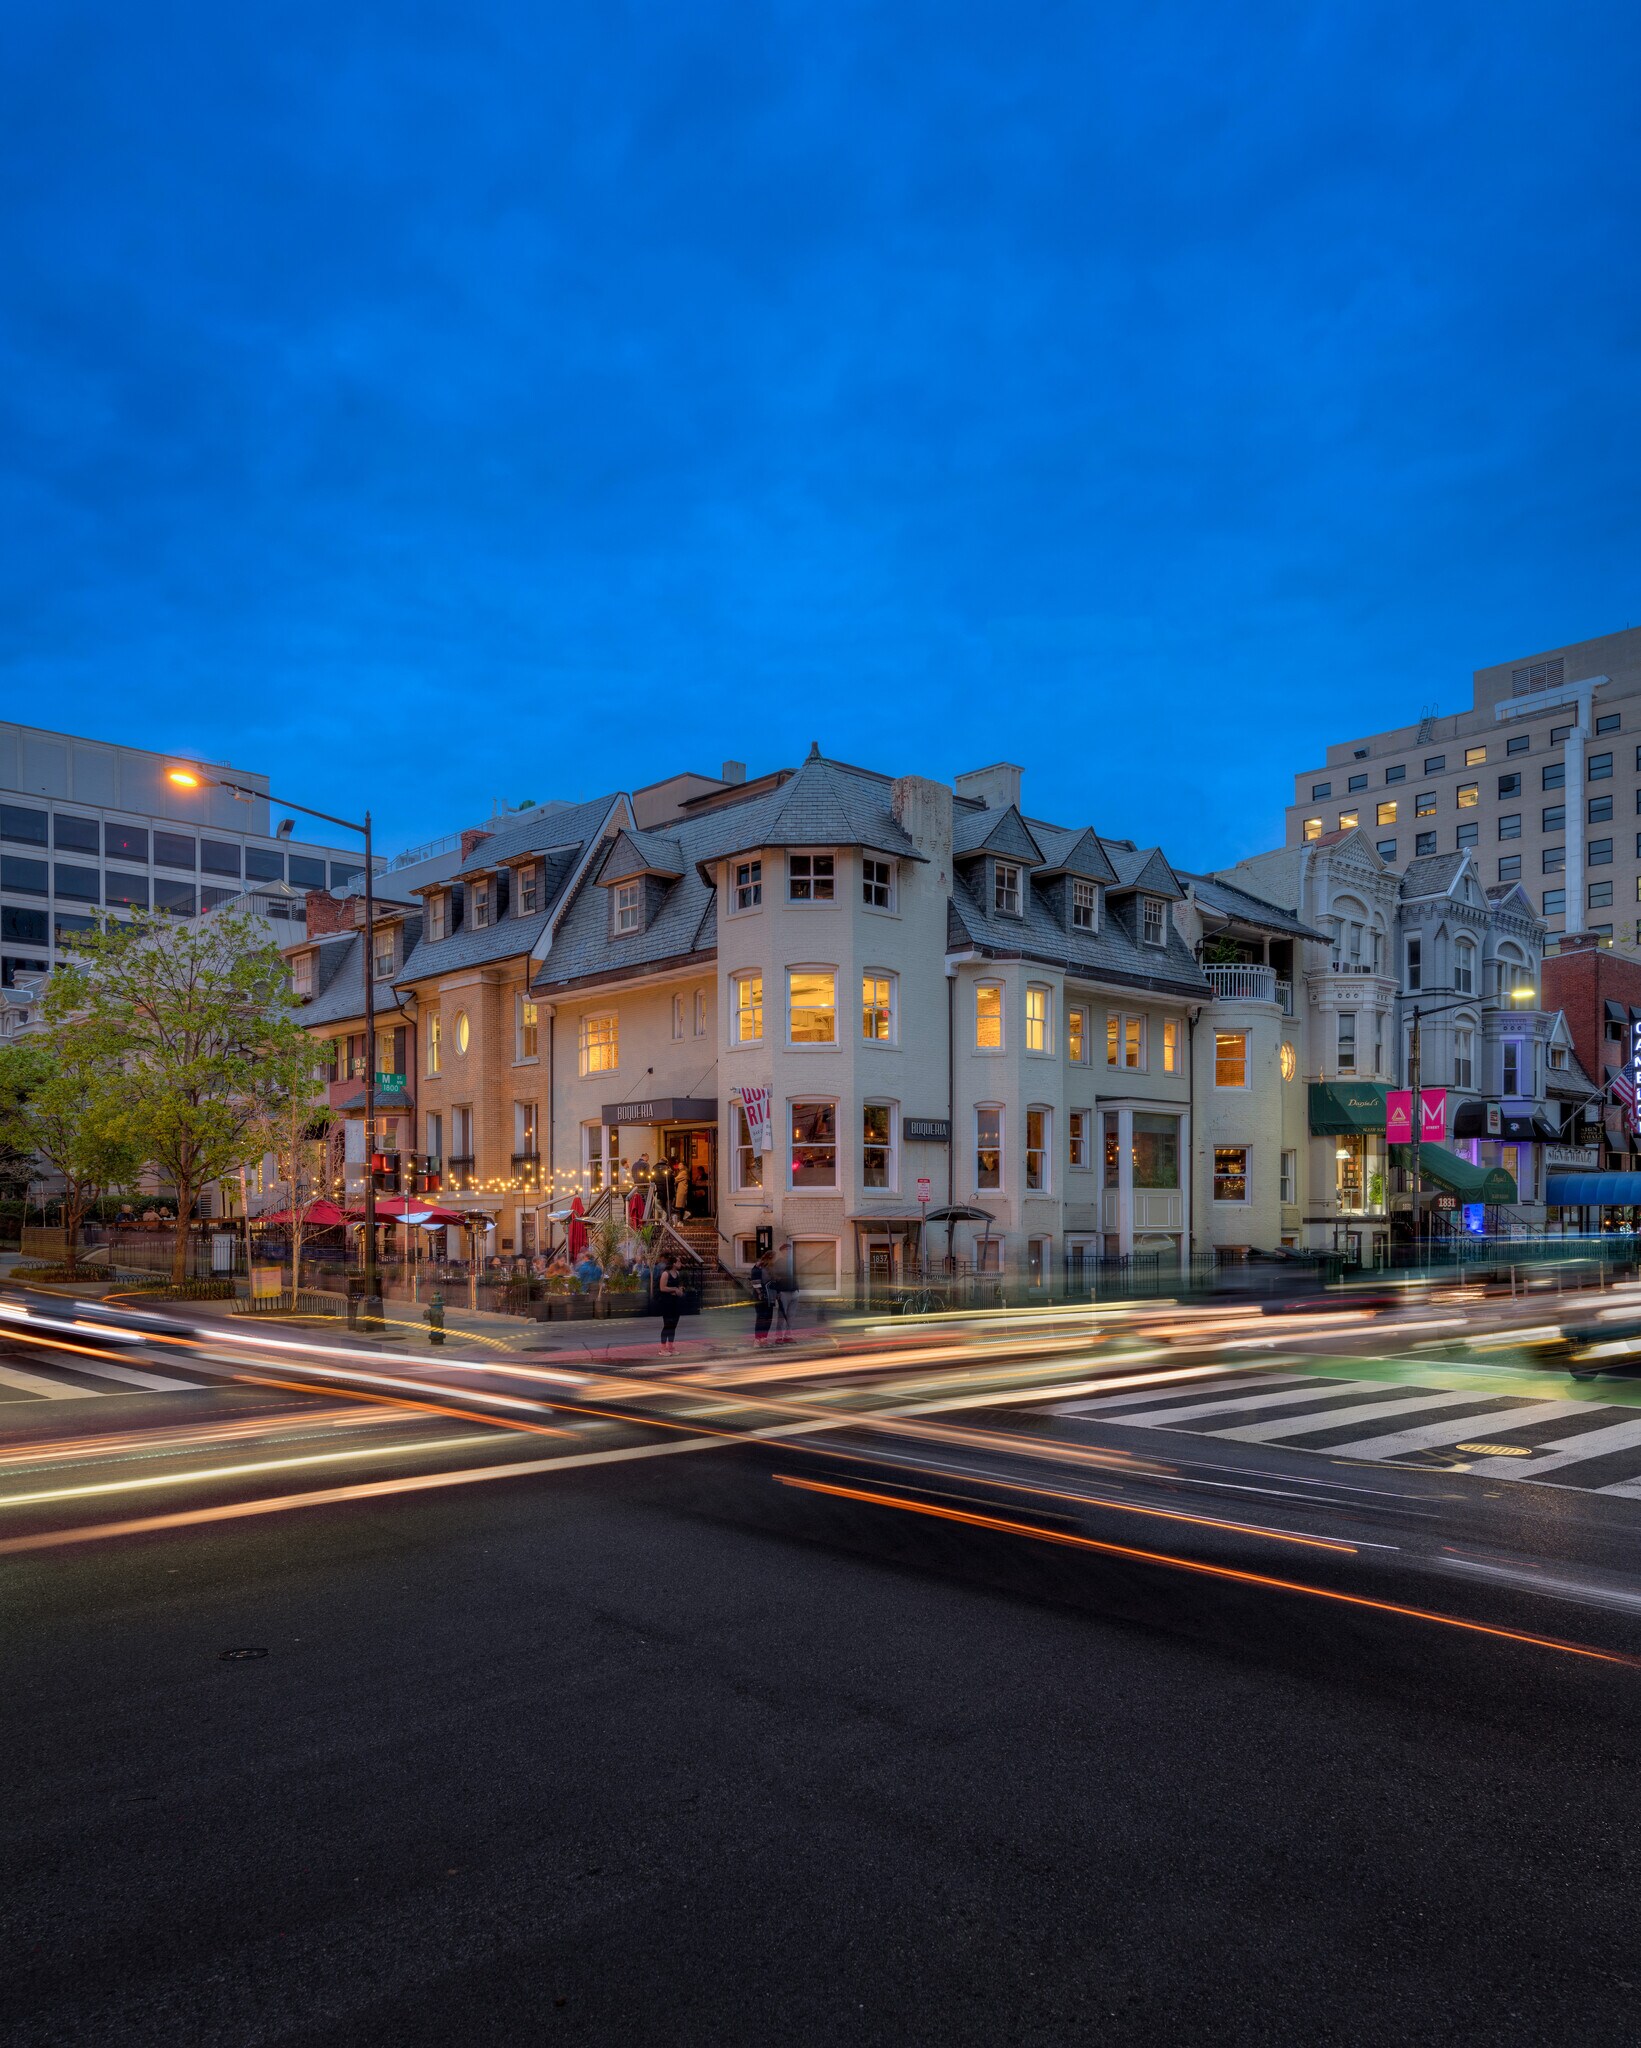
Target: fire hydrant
433, 1316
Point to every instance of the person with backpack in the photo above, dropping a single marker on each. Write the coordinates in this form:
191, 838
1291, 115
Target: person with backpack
670, 1293
763, 1298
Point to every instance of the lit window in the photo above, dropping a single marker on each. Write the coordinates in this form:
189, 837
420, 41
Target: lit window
435, 1044
1153, 920
749, 1162
529, 1029
629, 906
812, 1006
1078, 1126
749, 1008
1349, 820
988, 1149
877, 884
1230, 1173
1170, 1045
1039, 1123
749, 884
814, 1145
877, 1152
1133, 1042
464, 1032
1385, 814
1424, 804
1007, 888
1288, 1060
1085, 904
877, 1006
1037, 1018
988, 1017
1469, 795
1230, 1059
1474, 756
1313, 828
1077, 1035
810, 877
600, 1044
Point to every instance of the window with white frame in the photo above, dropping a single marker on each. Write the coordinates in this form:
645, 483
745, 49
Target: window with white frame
1513, 1066
1077, 1035
1006, 888
1039, 1148
600, 1043
988, 1146
678, 1016
811, 1006
748, 890
1125, 1041
629, 906
1346, 1040
747, 993
1464, 1057
529, 884
600, 1157
1085, 906
1153, 920
877, 1146
302, 975
437, 915
1170, 1045
464, 1032
699, 1013
435, 1043
1230, 1059
1288, 1192
814, 1144
526, 1131
748, 1162
988, 1017
383, 954
384, 1050
1037, 1015
1230, 1173
1464, 968
526, 1029
481, 905
877, 1006
877, 884
1080, 1151
811, 877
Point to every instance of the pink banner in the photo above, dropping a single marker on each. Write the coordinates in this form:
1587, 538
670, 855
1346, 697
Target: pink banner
1432, 1114
1399, 1116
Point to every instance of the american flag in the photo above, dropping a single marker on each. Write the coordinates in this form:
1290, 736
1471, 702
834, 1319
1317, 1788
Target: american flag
1623, 1091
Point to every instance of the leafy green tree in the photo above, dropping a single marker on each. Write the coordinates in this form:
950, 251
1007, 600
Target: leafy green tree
198, 1017
62, 1101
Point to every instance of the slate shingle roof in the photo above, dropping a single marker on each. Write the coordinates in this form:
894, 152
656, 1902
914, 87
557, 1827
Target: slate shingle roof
1141, 867
1432, 874
339, 976
1067, 851
1002, 832
824, 804
1228, 901
1113, 953
572, 826
639, 853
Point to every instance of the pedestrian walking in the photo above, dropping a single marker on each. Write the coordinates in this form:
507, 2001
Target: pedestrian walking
670, 1291
763, 1298
785, 1288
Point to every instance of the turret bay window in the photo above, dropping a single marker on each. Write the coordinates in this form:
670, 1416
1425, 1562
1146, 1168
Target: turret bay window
988, 1017
1464, 968
1037, 1015
748, 890
1347, 1041
1039, 1148
526, 1030
811, 1006
811, 877
814, 1144
877, 1145
877, 884
1230, 1059
988, 1147
1006, 888
1155, 1150
877, 1006
1077, 1035
748, 1165
435, 1043
1464, 1057
1085, 906
1170, 1045
1154, 921
748, 1008
1230, 1173
1415, 962
629, 907
600, 1043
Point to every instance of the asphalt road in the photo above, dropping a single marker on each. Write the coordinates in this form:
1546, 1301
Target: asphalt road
664, 1752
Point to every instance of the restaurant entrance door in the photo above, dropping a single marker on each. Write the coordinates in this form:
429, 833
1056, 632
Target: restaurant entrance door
695, 1149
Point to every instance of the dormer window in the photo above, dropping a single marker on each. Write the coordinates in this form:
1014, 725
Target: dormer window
481, 904
629, 906
382, 954
1153, 920
437, 915
529, 889
1085, 906
810, 878
1006, 889
302, 974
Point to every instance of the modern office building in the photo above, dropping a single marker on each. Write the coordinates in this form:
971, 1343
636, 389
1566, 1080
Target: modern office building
86, 825
1540, 779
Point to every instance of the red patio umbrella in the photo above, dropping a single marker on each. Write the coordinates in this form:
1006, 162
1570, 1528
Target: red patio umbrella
317, 1215
575, 1231
396, 1208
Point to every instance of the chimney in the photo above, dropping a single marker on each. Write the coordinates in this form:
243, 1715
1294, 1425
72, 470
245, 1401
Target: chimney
996, 787
327, 913
472, 838
734, 771
923, 811
1579, 942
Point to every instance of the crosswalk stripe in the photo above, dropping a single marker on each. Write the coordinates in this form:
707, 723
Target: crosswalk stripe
53, 1390
1317, 1390
1365, 1411
1456, 1428
155, 1382
1564, 1451
1208, 1390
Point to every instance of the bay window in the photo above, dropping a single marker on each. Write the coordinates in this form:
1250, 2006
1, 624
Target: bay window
812, 1006
1155, 1150
1037, 997
810, 877
1230, 1173
814, 1144
1077, 1035
988, 1147
877, 1006
748, 1162
1230, 1059
748, 1010
988, 1017
877, 1145
1077, 1124
1039, 1148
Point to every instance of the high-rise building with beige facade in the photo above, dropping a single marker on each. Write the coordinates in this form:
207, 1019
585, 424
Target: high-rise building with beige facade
1540, 778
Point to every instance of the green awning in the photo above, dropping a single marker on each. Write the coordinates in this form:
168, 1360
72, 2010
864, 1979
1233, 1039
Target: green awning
1337, 1107
1444, 1169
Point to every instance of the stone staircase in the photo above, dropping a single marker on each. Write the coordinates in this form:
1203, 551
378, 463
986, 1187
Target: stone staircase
700, 1233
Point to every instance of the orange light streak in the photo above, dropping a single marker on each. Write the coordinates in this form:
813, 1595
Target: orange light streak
1211, 1571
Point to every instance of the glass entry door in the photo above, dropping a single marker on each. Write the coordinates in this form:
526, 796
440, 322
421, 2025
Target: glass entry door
691, 1154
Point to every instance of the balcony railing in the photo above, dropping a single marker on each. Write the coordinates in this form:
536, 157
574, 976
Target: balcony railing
461, 1175
1242, 984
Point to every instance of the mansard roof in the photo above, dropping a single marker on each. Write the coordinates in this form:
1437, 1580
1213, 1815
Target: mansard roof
1141, 867
1002, 833
1112, 954
1067, 851
826, 803
339, 976
569, 825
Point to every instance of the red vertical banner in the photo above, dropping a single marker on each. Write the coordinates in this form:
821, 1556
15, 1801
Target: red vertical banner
1432, 1115
1399, 1116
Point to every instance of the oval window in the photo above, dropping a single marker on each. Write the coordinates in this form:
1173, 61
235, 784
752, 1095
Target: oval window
461, 1031
1290, 1063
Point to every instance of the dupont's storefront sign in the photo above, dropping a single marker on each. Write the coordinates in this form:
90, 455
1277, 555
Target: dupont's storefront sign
1399, 1115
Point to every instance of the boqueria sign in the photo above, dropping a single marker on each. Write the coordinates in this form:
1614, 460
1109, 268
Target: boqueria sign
661, 1109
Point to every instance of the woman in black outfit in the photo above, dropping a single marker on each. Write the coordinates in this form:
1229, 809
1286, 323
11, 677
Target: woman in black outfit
671, 1291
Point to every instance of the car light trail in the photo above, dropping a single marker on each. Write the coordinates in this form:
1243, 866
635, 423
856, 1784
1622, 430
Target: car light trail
999, 1525
104, 1486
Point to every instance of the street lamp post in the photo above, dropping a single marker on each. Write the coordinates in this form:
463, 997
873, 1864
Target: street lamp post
1420, 1010
196, 778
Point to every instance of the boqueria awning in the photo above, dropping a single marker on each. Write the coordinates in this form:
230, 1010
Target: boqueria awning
1339, 1107
1443, 1169
1593, 1190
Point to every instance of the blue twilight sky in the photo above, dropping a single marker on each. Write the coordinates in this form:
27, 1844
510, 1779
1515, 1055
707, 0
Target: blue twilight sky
450, 403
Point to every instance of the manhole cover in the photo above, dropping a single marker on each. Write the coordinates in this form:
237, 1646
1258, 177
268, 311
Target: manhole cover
233, 1656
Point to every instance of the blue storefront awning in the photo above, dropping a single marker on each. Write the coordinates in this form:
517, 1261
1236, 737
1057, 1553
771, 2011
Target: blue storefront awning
1592, 1190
